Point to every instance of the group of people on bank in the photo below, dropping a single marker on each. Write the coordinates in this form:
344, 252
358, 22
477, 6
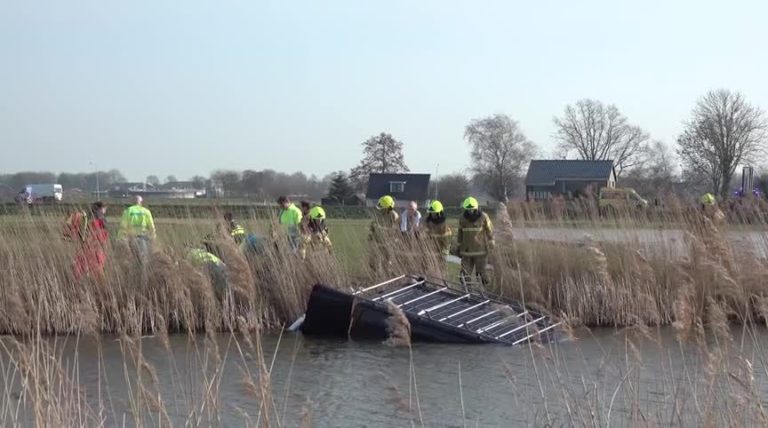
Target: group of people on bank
473, 241
302, 230
88, 230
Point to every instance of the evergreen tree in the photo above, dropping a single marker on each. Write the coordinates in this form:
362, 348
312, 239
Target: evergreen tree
340, 190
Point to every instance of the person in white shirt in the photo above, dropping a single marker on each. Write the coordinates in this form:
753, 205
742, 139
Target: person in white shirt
410, 219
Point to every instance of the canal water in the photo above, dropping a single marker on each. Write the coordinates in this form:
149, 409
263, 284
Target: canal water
602, 377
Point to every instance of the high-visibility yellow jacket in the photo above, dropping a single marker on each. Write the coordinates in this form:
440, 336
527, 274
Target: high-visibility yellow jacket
199, 256
237, 233
290, 218
136, 221
475, 238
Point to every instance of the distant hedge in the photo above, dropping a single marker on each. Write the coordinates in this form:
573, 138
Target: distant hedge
193, 210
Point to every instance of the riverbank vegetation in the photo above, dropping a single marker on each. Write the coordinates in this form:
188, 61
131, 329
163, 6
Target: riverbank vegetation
613, 276
701, 282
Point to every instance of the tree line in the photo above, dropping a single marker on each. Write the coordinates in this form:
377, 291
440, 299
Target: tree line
723, 132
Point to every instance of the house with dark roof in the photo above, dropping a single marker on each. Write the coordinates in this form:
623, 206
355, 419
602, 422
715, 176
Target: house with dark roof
567, 178
402, 187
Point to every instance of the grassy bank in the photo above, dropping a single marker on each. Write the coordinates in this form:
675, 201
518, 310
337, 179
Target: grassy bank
618, 283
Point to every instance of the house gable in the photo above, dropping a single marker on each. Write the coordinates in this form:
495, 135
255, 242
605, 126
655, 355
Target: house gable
404, 187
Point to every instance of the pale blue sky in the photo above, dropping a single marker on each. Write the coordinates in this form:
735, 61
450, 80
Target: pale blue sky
184, 87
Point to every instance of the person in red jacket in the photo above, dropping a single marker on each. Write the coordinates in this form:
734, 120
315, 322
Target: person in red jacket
92, 254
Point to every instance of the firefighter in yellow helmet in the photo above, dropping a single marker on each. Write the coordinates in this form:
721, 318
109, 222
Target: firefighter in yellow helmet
384, 233
474, 239
710, 209
438, 231
315, 233
385, 218
707, 199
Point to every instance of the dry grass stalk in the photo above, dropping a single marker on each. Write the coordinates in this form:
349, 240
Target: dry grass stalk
398, 327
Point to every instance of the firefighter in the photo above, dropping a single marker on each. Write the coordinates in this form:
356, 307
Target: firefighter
315, 235
248, 242
710, 209
707, 199
236, 231
439, 232
385, 219
474, 240
383, 233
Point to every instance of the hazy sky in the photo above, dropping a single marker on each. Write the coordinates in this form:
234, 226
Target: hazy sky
185, 87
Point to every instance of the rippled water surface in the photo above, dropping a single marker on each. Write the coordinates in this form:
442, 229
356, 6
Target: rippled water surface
600, 376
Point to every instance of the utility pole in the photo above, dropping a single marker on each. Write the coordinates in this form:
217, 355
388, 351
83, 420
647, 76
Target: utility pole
96, 170
437, 169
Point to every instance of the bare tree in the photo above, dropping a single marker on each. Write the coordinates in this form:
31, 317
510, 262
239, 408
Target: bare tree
594, 131
199, 181
450, 189
381, 153
500, 152
724, 132
656, 173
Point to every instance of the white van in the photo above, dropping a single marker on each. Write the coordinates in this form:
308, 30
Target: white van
40, 193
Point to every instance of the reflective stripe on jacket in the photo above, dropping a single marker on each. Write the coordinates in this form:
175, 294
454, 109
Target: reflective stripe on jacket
475, 237
441, 234
238, 232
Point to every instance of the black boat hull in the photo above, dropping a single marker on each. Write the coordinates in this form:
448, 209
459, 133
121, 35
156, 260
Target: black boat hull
332, 313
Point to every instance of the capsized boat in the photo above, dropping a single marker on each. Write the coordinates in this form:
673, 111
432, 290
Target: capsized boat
437, 310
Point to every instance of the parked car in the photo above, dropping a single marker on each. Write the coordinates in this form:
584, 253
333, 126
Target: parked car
614, 200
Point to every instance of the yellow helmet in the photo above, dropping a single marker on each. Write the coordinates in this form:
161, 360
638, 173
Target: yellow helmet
317, 213
435, 207
386, 202
708, 199
470, 204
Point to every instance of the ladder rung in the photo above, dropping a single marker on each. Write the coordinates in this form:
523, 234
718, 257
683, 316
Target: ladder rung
465, 310
379, 284
392, 293
440, 305
500, 322
480, 317
536, 333
493, 325
520, 327
420, 297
